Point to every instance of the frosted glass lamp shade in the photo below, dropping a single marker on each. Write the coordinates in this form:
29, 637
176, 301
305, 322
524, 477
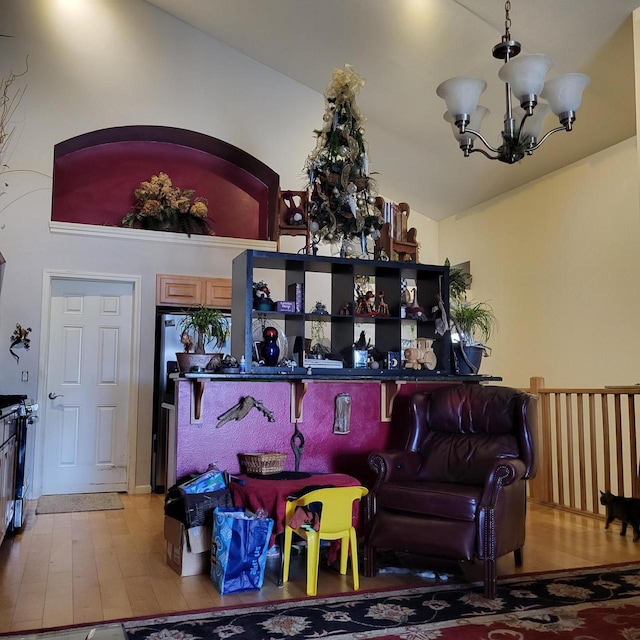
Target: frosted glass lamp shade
526, 74
461, 94
474, 123
564, 93
532, 126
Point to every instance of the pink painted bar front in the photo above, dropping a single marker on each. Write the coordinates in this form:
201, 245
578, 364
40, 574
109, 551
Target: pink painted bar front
200, 443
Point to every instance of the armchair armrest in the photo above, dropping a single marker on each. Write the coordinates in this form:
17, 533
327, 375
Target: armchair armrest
505, 471
394, 465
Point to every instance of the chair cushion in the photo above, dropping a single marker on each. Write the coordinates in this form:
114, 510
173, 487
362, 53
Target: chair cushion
464, 458
440, 499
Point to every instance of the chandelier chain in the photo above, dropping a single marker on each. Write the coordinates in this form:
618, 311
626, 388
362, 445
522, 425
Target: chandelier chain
507, 19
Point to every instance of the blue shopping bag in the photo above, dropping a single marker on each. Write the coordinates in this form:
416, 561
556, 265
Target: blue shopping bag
239, 549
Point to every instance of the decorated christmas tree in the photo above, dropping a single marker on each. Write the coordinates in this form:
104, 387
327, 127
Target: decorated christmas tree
342, 199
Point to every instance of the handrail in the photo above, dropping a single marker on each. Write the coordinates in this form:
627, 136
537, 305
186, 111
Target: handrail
588, 442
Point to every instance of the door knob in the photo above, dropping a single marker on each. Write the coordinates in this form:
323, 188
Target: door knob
53, 396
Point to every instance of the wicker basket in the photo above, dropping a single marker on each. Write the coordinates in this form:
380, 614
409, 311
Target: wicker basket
262, 463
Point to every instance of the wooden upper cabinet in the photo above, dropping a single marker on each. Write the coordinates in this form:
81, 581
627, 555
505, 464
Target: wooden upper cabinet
191, 291
217, 292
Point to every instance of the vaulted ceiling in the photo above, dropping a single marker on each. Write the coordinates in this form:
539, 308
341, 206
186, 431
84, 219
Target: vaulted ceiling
405, 48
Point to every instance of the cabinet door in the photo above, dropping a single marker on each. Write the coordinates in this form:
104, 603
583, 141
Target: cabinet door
179, 291
218, 293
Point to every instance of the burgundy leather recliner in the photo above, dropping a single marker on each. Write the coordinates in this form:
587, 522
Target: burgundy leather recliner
458, 489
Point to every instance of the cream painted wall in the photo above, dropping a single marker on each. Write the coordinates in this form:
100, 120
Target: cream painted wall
558, 260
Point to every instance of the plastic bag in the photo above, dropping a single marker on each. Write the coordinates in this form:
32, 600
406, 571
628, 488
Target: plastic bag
239, 549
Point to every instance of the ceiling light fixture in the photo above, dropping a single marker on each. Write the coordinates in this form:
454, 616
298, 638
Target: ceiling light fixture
525, 78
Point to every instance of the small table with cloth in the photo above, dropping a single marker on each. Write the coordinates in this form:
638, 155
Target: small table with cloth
270, 492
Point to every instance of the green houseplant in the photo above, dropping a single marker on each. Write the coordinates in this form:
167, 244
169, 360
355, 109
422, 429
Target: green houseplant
473, 322
199, 327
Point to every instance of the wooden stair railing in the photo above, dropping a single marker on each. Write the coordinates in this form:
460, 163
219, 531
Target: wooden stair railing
588, 441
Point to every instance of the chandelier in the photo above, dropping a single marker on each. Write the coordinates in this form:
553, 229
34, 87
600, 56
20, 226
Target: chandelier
524, 77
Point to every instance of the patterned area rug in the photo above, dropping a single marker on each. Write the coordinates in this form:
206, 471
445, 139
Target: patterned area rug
75, 502
591, 604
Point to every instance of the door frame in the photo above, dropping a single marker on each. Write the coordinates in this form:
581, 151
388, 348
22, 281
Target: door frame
134, 366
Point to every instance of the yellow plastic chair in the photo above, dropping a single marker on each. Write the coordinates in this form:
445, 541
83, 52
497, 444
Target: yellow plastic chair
336, 523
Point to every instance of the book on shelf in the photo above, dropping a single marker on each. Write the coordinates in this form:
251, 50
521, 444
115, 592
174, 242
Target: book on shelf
323, 363
295, 293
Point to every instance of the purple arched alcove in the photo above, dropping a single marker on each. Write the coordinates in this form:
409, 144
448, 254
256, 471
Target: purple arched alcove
95, 175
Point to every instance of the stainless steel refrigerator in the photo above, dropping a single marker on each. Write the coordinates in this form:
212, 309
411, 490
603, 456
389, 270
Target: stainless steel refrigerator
167, 345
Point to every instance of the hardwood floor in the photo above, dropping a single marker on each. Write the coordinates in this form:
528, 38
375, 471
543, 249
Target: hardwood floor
80, 568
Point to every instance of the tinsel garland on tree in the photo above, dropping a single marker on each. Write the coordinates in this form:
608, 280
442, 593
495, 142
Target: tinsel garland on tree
342, 198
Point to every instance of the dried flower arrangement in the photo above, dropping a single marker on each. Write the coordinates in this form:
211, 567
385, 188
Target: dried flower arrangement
160, 206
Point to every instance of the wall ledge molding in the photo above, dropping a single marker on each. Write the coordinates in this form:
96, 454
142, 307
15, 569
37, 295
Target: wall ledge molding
143, 235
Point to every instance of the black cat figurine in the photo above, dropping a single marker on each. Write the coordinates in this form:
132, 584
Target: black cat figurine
627, 510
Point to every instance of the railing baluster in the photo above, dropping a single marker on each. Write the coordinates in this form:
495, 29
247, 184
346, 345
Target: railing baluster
633, 439
606, 438
581, 452
619, 458
570, 451
595, 495
559, 456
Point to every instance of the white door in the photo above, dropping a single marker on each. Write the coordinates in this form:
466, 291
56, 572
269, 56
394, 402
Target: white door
88, 371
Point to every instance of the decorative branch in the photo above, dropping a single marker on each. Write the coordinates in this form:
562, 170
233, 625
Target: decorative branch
9, 101
242, 408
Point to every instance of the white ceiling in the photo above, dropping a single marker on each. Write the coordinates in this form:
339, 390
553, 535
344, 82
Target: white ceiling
405, 48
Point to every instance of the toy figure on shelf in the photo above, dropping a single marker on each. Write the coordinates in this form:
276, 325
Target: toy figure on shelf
421, 356
383, 307
411, 307
262, 297
362, 344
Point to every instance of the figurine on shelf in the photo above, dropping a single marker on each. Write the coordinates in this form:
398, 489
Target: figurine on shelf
262, 297
362, 343
320, 309
383, 307
365, 305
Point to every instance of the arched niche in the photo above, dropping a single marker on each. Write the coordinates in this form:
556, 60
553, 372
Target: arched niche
95, 175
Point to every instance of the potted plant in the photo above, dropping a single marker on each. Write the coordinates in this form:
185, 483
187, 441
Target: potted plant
200, 327
473, 322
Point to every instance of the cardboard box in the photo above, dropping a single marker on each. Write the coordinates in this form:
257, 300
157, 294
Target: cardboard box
188, 550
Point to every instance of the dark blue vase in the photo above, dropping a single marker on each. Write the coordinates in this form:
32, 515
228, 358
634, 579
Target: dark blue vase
270, 348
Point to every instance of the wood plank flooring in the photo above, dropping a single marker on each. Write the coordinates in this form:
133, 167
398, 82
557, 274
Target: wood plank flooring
80, 568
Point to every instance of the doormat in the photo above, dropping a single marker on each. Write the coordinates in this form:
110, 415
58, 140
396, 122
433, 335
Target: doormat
76, 502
